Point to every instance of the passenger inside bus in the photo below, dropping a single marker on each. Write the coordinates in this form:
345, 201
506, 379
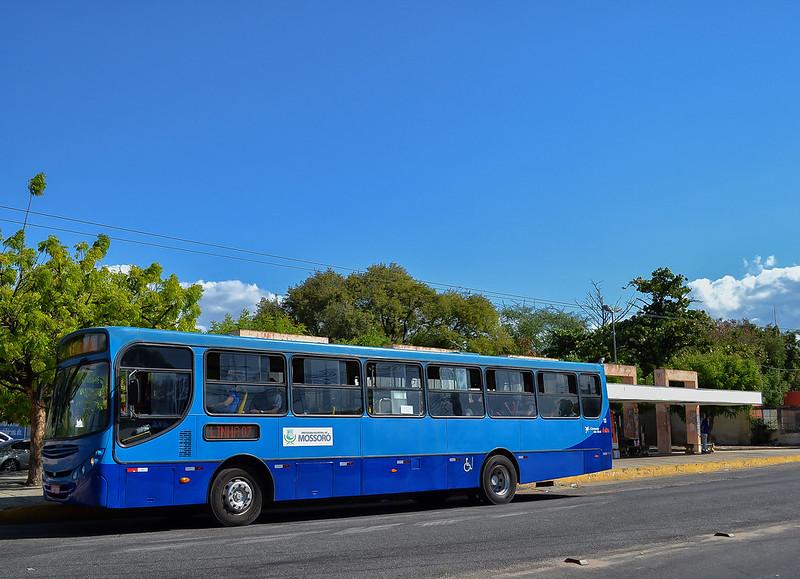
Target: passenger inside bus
230, 404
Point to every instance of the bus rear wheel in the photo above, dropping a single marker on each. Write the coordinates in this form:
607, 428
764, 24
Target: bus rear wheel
236, 497
498, 480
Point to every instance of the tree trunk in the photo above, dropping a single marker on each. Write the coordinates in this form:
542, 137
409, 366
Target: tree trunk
38, 414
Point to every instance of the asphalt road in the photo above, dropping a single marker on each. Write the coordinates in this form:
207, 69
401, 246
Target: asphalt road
651, 528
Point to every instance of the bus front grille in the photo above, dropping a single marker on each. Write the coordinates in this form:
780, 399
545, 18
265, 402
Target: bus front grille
59, 450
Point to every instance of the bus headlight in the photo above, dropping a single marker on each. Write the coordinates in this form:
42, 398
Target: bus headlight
88, 465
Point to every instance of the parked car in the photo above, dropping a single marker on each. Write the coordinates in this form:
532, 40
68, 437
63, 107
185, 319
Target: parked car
15, 455
5, 437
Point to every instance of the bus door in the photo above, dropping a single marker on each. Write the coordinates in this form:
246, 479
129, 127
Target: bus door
455, 396
154, 385
596, 424
556, 440
402, 446
321, 440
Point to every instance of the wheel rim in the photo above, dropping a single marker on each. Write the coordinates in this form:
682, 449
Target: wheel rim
10, 466
499, 480
238, 496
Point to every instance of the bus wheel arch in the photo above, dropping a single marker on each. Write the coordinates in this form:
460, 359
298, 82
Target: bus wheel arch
509, 455
499, 477
242, 478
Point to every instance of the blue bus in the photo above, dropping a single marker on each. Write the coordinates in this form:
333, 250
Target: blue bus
143, 418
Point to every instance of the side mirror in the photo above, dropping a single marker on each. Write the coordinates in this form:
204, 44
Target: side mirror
133, 391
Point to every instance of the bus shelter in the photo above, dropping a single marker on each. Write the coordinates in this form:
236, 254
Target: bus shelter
671, 388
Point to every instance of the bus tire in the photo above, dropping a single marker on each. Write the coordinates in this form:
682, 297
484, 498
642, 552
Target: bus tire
498, 480
235, 497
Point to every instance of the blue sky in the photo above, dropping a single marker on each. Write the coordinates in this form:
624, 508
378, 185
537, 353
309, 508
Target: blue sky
522, 147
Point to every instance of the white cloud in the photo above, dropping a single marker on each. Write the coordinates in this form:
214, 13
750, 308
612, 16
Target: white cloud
121, 268
757, 264
754, 295
219, 297
229, 296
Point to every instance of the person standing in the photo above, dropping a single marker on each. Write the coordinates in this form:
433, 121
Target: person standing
705, 426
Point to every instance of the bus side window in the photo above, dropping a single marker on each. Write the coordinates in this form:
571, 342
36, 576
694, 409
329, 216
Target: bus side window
455, 391
558, 395
326, 387
394, 389
162, 376
510, 393
591, 395
245, 383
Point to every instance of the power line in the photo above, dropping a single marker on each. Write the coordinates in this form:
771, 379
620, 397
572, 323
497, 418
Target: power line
489, 294
161, 245
174, 238
781, 369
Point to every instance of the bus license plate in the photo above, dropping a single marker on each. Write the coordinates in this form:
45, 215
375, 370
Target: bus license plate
55, 489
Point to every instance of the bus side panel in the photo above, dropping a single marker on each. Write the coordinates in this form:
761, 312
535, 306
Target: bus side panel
464, 472
540, 466
317, 468
150, 486
398, 454
314, 479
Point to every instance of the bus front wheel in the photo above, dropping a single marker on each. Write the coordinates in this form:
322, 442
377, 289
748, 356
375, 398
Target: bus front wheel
498, 480
236, 497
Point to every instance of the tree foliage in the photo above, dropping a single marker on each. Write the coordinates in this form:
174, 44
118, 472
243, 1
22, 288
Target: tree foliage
664, 325
268, 317
545, 332
48, 291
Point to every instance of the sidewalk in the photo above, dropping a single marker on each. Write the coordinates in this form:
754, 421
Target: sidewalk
14, 493
724, 458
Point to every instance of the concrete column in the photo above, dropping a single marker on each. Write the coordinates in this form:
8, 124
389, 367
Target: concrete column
662, 377
663, 426
663, 429
630, 419
689, 380
692, 428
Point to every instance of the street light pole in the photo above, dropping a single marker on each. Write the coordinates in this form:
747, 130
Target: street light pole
612, 311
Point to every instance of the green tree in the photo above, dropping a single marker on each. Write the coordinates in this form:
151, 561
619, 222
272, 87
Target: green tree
665, 325
468, 323
774, 352
47, 292
385, 305
268, 317
393, 300
544, 332
325, 306
722, 371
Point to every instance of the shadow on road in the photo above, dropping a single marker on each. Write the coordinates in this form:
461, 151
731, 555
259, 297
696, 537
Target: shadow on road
84, 522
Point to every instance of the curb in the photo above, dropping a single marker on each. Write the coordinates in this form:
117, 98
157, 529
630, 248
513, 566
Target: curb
641, 472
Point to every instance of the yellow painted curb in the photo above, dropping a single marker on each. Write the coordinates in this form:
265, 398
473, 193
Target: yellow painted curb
640, 472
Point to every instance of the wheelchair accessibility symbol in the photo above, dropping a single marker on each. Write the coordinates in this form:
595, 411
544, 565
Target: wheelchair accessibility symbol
467, 464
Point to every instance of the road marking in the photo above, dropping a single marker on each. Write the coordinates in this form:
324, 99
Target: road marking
269, 538
358, 530
157, 547
439, 522
503, 516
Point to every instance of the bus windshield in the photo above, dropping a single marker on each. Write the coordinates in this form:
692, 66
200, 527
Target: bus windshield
80, 401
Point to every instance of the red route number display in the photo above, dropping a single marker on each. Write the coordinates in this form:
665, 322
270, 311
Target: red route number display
231, 432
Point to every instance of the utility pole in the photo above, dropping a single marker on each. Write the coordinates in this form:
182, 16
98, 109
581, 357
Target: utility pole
612, 311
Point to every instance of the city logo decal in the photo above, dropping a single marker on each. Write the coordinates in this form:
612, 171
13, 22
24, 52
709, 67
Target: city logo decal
322, 436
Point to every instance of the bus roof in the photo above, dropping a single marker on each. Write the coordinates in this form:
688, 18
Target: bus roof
122, 335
